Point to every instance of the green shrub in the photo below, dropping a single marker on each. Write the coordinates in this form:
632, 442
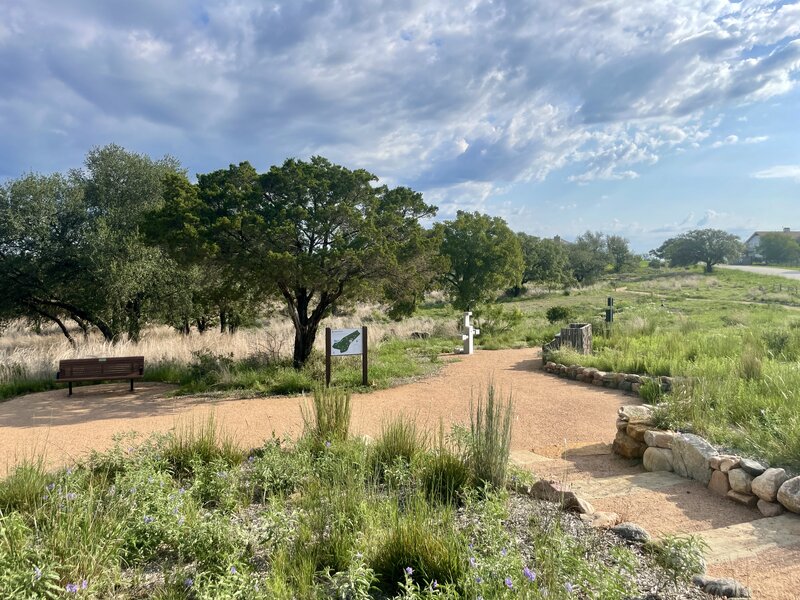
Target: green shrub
328, 418
194, 444
650, 391
399, 439
557, 314
24, 573
490, 438
444, 477
493, 319
681, 557
423, 540
750, 364
277, 470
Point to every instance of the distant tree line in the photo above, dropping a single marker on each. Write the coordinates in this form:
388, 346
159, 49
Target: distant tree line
127, 240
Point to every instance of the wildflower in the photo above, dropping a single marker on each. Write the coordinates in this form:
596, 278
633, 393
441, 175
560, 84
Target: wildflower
188, 582
175, 510
181, 520
84, 584
233, 571
569, 587
72, 496
69, 470
472, 562
529, 574
251, 459
409, 570
503, 551
45, 497
478, 580
509, 583
327, 444
182, 491
51, 487
71, 588
434, 584
148, 519
37, 573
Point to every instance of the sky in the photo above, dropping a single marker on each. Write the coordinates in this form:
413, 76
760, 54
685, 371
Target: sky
643, 119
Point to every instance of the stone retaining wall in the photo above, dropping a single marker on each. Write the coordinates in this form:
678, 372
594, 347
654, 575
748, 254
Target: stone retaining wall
739, 479
627, 382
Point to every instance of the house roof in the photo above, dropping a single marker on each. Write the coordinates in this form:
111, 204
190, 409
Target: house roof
793, 234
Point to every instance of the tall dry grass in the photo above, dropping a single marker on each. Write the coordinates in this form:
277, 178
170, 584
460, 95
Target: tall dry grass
25, 354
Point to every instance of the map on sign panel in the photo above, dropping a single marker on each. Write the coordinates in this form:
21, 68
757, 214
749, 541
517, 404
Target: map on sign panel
345, 342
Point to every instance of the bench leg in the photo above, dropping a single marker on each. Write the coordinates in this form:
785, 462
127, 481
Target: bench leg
70, 388
131, 384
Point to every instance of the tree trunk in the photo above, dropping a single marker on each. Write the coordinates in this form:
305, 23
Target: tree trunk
304, 338
223, 321
709, 267
134, 310
60, 324
83, 325
202, 324
305, 324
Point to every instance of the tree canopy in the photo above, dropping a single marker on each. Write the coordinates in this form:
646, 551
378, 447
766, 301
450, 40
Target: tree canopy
708, 246
778, 248
546, 260
485, 257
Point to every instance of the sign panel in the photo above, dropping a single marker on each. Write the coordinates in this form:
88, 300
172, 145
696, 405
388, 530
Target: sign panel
346, 342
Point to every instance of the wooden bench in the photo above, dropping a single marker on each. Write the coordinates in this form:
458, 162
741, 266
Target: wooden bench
100, 369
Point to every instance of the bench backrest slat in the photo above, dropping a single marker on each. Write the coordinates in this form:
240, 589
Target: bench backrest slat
93, 367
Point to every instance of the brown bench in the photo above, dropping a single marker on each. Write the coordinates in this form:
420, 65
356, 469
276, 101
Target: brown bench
100, 369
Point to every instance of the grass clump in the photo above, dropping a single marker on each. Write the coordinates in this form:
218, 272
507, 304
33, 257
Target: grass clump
196, 443
327, 420
651, 392
400, 440
490, 437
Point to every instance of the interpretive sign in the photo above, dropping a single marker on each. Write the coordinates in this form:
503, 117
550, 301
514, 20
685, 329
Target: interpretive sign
346, 342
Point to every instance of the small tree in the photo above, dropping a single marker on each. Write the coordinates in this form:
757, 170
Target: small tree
709, 246
779, 248
546, 260
620, 253
485, 257
588, 256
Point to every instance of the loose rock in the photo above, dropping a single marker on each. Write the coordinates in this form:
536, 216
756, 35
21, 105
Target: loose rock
766, 485
637, 430
728, 463
631, 532
635, 413
789, 494
727, 588
659, 439
740, 481
601, 520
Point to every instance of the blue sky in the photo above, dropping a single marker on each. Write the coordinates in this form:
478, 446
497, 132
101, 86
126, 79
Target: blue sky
638, 118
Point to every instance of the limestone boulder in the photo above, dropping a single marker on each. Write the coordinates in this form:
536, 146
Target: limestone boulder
745, 499
552, 491
627, 447
637, 430
636, 413
740, 480
769, 509
601, 520
690, 457
766, 485
719, 483
659, 439
752, 467
657, 459
789, 494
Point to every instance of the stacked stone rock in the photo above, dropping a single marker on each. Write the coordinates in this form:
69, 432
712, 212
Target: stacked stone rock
739, 479
628, 382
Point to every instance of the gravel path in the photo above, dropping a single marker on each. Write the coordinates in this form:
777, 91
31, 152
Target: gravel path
777, 271
562, 429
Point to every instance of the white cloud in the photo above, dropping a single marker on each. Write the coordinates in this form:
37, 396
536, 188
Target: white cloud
606, 89
779, 172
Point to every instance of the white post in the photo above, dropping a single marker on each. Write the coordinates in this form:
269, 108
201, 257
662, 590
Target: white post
469, 333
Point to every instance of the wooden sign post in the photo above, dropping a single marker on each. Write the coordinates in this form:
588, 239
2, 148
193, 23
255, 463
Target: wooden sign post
346, 342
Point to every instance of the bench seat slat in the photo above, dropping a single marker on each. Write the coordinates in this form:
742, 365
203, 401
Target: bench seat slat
94, 369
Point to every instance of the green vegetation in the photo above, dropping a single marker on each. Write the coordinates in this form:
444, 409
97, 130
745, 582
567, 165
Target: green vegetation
734, 336
189, 516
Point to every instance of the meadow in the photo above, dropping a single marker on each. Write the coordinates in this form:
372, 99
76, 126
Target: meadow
189, 515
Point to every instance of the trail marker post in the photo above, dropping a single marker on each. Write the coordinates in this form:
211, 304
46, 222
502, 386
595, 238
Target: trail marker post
346, 342
469, 334
610, 310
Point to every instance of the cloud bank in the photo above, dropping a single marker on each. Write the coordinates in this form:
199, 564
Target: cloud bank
454, 98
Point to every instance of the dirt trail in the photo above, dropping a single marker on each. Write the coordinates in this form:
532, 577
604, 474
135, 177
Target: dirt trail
562, 429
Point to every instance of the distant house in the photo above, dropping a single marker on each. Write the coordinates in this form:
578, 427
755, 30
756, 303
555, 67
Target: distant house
752, 243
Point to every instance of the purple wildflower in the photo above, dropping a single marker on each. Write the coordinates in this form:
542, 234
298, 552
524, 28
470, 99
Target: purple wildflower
69, 470
509, 583
71, 588
251, 459
503, 551
188, 582
328, 444
478, 580
434, 584
84, 584
529, 574
37, 573
472, 562
409, 570
233, 571
51, 487
148, 519
569, 587
72, 496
